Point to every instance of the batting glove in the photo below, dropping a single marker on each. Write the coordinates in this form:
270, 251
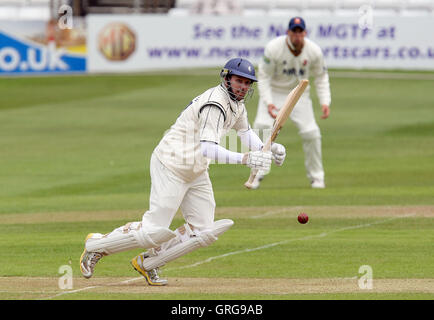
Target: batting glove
279, 153
259, 160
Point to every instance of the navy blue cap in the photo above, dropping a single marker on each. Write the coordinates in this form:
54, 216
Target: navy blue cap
296, 22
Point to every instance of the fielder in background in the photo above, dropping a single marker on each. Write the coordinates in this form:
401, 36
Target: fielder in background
179, 178
288, 59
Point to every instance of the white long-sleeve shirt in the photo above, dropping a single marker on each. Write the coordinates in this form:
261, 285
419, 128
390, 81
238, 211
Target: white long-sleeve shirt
219, 154
207, 118
280, 70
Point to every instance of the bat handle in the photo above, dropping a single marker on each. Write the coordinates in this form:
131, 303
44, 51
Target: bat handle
249, 183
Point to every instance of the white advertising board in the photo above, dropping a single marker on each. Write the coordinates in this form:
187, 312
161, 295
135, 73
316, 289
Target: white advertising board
131, 43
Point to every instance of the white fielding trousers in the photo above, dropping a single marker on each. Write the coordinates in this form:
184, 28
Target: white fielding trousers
304, 119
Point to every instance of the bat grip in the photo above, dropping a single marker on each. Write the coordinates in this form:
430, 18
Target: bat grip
249, 183
254, 172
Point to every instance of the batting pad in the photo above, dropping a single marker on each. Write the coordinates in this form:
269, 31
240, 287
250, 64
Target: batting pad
186, 245
128, 237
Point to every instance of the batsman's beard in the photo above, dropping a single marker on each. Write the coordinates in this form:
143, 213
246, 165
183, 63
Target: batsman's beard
237, 97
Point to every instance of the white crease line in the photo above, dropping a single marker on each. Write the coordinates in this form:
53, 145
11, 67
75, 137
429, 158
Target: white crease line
72, 291
93, 287
242, 251
321, 235
130, 280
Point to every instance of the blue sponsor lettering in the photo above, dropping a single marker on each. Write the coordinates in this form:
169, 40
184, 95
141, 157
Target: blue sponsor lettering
338, 52
154, 52
226, 52
241, 31
401, 52
230, 52
219, 52
10, 59
342, 31
275, 31
412, 52
244, 53
202, 32
386, 32
173, 52
364, 32
193, 52
324, 31
386, 52
346, 52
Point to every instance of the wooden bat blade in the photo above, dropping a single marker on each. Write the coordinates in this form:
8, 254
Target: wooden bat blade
285, 111
282, 116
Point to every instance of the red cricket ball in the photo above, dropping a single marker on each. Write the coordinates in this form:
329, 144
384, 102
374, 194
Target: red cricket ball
303, 218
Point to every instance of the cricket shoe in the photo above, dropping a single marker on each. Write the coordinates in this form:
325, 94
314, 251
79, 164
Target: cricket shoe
151, 276
88, 260
317, 184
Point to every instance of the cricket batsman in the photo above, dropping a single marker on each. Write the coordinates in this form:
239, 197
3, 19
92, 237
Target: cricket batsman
287, 60
179, 178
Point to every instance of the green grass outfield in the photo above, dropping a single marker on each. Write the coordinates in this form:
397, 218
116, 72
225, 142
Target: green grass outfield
75, 157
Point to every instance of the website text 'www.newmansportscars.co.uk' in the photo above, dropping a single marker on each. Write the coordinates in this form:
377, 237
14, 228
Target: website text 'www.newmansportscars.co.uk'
337, 52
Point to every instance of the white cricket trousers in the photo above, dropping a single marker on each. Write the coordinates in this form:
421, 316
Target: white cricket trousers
170, 193
304, 119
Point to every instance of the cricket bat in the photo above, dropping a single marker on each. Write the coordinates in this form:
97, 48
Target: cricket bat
282, 116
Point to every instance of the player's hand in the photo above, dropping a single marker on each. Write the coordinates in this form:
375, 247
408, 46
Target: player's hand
259, 160
279, 153
325, 111
272, 110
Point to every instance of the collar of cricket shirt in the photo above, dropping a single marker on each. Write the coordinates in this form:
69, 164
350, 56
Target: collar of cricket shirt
291, 47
